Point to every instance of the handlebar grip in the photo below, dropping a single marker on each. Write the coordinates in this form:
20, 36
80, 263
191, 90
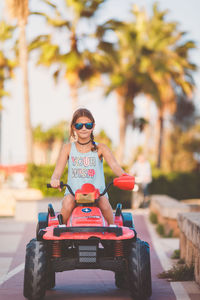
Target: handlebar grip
61, 185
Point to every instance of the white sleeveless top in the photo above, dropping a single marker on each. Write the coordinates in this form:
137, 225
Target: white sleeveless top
84, 168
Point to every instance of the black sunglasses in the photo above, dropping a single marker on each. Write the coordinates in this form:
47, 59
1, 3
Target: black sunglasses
79, 126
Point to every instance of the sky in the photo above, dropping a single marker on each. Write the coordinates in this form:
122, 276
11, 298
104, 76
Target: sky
51, 103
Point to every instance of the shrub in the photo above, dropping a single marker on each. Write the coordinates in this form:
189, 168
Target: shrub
178, 185
170, 234
162, 232
176, 254
153, 218
179, 273
160, 229
181, 261
39, 176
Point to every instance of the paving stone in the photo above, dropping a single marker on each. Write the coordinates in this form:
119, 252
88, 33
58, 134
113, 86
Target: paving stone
12, 227
9, 243
5, 263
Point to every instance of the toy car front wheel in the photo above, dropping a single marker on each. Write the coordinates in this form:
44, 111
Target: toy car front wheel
35, 273
140, 270
51, 279
121, 280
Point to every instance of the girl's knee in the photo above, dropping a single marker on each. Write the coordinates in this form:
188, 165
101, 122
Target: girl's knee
104, 203
68, 201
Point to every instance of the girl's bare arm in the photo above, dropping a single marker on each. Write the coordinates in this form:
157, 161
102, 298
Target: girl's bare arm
60, 165
110, 159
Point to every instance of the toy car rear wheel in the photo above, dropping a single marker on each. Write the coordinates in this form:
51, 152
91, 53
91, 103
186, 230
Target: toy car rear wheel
35, 273
42, 223
127, 219
140, 270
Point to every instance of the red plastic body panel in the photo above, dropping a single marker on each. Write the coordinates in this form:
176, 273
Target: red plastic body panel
91, 216
118, 220
53, 220
88, 189
127, 234
125, 182
87, 216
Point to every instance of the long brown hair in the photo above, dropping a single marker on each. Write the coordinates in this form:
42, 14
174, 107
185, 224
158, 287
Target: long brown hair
83, 112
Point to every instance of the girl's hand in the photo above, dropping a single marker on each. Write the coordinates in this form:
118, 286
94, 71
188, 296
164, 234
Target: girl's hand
55, 183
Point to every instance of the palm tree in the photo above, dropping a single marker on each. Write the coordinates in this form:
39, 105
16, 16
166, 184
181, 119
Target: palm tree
18, 9
46, 140
151, 59
6, 66
129, 75
183, 141
75, 63
173, 72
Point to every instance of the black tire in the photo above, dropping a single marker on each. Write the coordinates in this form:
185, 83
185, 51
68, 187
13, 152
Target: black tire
118, 210
51, 210
35, 273
127, 219
51, 279
140, 270
42, 223
121, 280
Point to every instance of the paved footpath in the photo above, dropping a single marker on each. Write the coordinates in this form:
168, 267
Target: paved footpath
87, 284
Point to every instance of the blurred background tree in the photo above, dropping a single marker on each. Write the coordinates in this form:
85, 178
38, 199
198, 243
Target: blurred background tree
146, 55
74, 61
102, 137
47, 143
183, 138
152, 58
7, 65
18, 9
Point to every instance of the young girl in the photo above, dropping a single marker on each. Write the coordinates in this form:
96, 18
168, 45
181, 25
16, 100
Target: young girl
85, 164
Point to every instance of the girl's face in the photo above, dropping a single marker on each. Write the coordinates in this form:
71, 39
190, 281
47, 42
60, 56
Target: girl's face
83, 133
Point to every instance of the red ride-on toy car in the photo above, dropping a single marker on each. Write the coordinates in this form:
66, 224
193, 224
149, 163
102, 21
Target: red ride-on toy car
87, 242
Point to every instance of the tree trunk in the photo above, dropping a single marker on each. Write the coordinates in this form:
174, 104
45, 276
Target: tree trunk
23, 52
74, 96
160, 139
1, 130
122, 127
147, 129
0, 135
73, 76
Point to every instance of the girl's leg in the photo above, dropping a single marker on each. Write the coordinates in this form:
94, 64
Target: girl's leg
106, 209
68, 205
